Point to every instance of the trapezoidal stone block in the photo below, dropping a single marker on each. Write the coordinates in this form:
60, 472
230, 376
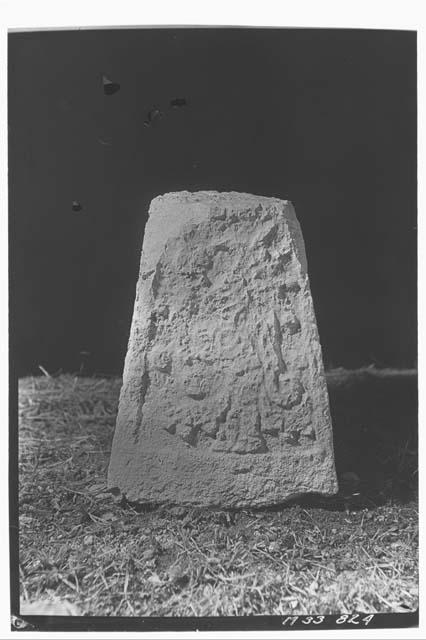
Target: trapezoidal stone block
224, 401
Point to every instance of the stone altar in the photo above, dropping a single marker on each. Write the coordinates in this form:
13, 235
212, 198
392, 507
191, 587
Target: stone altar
224, 401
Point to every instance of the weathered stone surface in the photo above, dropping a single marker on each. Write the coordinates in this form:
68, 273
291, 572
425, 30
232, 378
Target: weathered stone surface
224, 401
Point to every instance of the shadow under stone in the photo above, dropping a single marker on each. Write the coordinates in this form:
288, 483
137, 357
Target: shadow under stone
375, 430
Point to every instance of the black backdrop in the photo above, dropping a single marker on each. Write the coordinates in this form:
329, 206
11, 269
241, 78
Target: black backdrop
325, 118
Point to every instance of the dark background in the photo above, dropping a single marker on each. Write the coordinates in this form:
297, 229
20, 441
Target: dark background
325, 118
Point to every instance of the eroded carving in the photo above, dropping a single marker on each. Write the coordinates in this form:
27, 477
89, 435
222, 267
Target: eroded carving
223, 362
226, 330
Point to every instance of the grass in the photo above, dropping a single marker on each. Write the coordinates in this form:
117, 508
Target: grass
105, 558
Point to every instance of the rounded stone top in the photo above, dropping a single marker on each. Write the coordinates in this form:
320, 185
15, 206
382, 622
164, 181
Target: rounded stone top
171, 212
221, 197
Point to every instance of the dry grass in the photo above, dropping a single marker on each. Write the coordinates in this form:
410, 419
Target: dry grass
110, 559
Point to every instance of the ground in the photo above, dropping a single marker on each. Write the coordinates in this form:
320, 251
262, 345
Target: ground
356, 552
